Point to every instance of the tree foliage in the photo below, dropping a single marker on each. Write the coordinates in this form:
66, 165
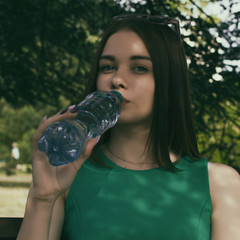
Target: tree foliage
47, 49
19, 125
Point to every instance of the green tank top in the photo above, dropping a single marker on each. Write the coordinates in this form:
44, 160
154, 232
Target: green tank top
121, 204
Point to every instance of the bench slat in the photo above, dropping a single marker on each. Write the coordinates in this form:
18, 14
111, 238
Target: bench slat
9, 227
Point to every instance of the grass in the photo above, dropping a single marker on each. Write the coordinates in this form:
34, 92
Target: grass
13, 192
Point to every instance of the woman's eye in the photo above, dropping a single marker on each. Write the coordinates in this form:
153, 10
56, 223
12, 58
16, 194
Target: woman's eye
107, 68
141, 69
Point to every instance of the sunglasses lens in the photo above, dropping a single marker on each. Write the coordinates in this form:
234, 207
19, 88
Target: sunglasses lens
153, 19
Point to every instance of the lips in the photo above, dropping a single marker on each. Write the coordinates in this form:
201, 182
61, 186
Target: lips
125, 101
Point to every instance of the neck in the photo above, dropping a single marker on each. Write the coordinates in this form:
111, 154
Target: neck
127, 148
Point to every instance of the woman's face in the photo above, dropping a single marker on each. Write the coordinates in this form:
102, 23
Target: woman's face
126, 66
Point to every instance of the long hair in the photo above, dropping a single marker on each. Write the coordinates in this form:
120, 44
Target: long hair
172, 127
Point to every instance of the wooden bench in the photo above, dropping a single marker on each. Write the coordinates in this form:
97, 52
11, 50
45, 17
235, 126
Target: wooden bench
9, 227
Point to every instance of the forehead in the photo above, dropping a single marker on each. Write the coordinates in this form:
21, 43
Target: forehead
125, 42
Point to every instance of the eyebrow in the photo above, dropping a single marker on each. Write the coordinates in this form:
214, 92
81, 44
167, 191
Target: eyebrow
107, 57
137, 57
132, 58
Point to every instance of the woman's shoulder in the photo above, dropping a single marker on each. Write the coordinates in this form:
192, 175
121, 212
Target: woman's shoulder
225, 193
222, 178
224, 184
222, 175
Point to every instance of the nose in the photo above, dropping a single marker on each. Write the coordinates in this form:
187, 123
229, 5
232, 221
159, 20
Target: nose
119, 80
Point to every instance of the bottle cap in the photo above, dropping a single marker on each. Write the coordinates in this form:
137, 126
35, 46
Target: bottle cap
119, 95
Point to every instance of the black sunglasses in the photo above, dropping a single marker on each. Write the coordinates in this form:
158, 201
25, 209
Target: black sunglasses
160, 20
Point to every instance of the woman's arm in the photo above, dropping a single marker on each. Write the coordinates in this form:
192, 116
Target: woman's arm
57, 218
37, 218
44, 212
225, 192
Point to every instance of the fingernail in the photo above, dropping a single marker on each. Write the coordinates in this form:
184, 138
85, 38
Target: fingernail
97, 139
72, 107
68, 108
75, 109
44, 118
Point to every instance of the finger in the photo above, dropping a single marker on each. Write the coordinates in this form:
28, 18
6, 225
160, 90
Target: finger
87, 152
90, 145
44, 118
67, 109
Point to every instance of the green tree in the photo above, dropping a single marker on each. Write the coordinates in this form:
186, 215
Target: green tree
212, 48
47, 49
18, 125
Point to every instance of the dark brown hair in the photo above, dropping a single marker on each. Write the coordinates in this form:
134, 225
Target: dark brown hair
172, 126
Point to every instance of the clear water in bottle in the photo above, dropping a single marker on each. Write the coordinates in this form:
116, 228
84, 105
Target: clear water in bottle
64, 141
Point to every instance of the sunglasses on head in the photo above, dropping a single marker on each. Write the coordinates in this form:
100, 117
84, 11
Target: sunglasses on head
159, 20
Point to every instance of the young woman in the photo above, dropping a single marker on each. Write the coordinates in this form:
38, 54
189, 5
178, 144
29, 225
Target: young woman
144, 179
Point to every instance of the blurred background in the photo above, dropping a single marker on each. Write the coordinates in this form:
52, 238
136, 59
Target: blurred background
46, 50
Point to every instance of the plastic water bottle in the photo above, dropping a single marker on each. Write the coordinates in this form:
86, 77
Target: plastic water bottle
64, 141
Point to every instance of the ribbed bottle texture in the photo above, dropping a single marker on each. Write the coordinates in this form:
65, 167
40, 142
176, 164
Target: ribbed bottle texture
64, 141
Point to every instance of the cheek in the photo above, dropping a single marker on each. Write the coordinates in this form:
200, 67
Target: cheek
101, 83
148, 96
146, 90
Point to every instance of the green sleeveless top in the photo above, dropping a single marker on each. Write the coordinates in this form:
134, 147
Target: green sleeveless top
121, 204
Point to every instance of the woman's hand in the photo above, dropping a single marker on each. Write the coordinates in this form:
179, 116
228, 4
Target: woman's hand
49, 182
